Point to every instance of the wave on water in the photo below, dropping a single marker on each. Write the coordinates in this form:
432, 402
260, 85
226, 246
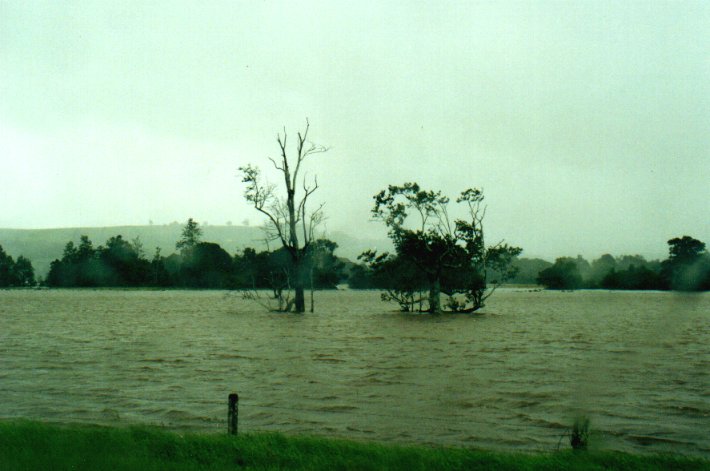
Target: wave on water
634, 363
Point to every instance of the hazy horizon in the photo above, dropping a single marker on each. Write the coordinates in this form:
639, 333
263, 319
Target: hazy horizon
380, 244
584, 123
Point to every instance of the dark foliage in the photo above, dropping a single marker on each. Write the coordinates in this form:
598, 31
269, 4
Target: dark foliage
118, 263
206, 265
15, 273
687, 268
688, 265
435, 254
640, 278
275, 270
564, 274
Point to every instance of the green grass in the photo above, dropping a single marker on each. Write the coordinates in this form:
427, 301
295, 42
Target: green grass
37, 446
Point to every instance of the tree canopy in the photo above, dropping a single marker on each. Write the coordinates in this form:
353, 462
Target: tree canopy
436, 254
688, 265
687, 268
201, 265
15, 273
191, 235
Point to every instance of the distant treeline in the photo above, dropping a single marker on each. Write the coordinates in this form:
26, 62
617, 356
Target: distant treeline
196, 264
687, 268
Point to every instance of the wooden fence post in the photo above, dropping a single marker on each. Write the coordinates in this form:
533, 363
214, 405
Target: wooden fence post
233, 413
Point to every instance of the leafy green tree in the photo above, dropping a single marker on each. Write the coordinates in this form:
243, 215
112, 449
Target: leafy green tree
15, 273
191, 235
85, 251
564, 274
121, 264
56, 275
206, 265
246, 272
117, 263
600, 268
172, 264
360, 277
634, 278
23, 272
451, 255
400, 278
84, 265
583, 267
688, 265
685, 250
158, 273
288, 218
7, 265
138, 247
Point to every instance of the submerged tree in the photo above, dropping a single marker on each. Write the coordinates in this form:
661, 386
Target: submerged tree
289, 220
400, 278
445, 256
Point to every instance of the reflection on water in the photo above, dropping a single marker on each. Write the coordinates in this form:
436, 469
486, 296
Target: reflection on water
637, 364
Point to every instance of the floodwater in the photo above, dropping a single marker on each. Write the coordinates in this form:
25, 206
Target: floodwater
636, 363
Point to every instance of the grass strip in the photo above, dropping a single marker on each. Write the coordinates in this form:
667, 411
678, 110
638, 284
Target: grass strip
28, 445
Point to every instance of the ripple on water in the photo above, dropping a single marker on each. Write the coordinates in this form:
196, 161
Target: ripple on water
515, 378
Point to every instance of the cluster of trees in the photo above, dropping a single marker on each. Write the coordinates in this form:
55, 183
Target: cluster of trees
15, 272
439, 262
434, 256
687, 268
196, 264
439, 256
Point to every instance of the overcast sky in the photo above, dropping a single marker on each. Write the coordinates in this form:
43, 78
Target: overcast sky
587, 124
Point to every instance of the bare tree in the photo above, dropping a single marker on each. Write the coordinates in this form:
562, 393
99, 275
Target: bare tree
288, 219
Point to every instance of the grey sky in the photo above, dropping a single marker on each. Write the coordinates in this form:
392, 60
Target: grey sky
586, 124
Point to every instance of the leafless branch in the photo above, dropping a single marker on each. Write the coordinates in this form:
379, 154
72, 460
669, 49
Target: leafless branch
276, 165
316, 218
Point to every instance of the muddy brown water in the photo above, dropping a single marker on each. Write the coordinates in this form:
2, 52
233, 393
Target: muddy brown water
636, 363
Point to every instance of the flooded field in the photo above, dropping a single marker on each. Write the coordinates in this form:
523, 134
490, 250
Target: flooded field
637, 364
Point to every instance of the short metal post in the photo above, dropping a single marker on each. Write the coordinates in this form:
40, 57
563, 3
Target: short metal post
233, 414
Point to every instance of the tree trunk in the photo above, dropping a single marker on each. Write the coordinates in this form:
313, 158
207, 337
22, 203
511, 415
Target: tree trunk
435, 297
300, 301
298, 286
312, 290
